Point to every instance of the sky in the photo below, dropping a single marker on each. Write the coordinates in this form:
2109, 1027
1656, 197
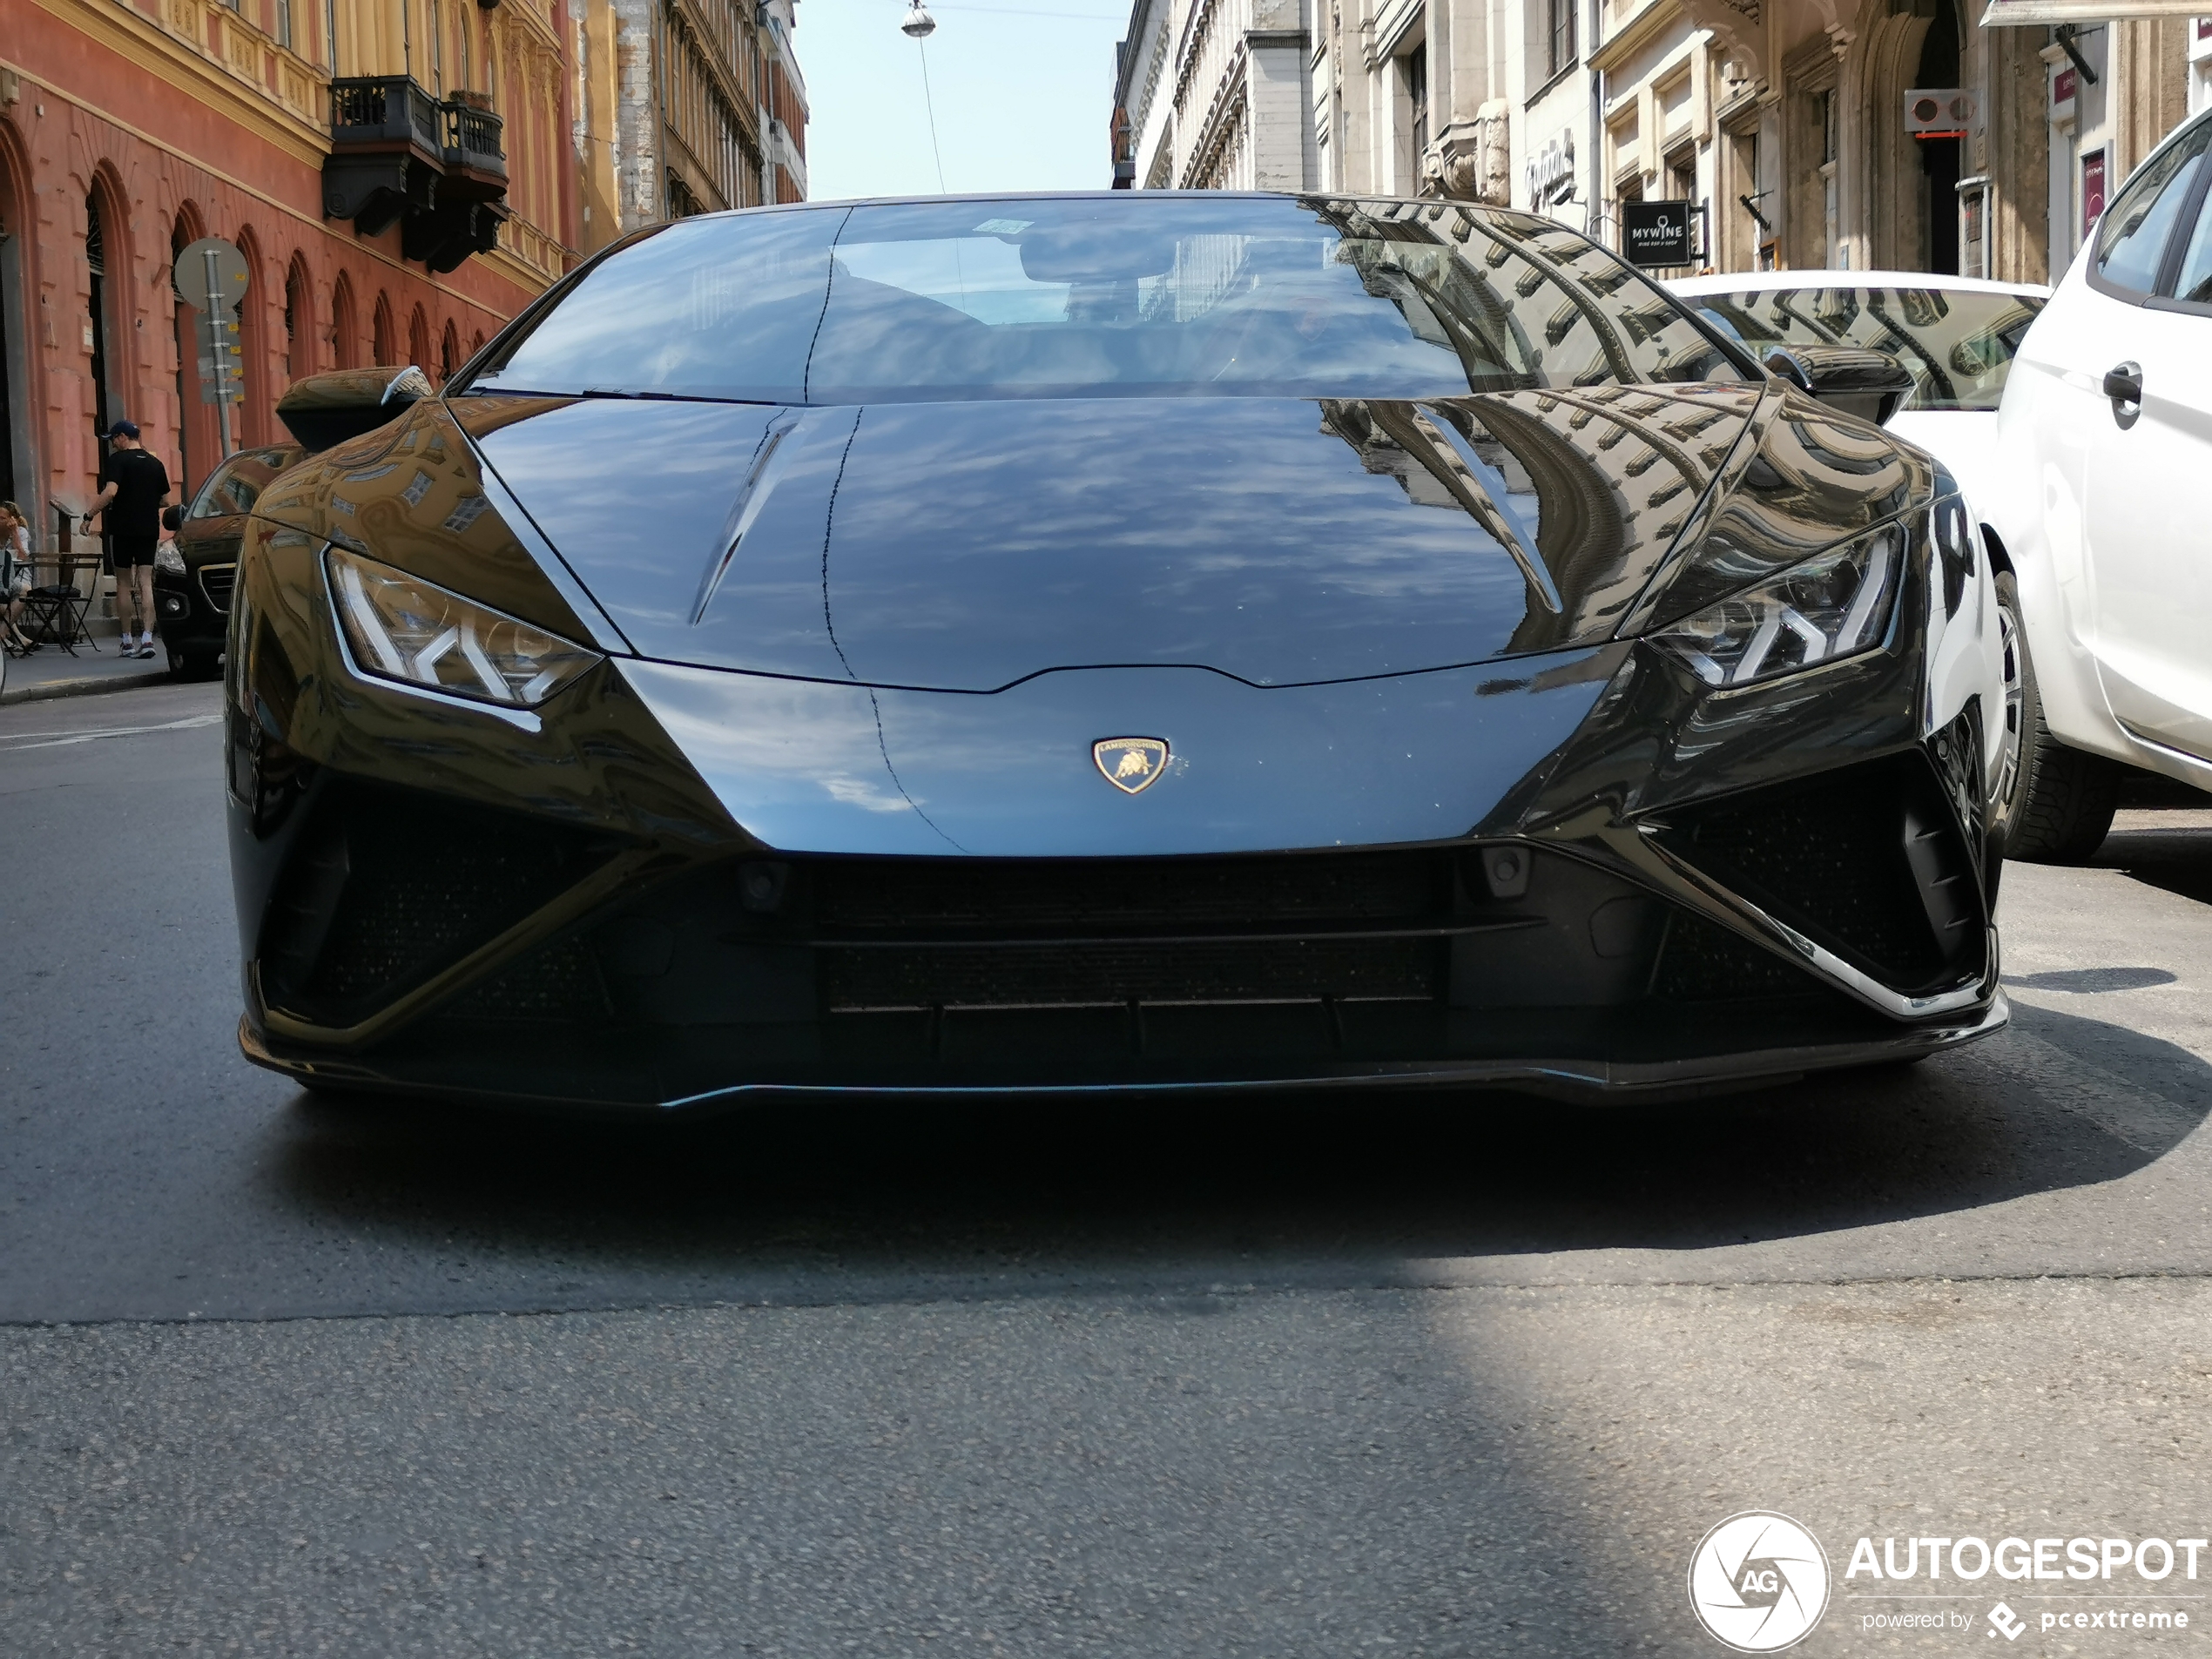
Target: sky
1023, 89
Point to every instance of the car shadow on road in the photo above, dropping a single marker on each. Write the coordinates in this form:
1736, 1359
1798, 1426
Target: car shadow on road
2177, 860
1299, 1185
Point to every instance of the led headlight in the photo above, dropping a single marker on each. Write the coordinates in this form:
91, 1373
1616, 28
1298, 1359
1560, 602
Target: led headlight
166, 557
1830, 606
402, 628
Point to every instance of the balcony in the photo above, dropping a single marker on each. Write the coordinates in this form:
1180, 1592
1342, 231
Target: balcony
400, 155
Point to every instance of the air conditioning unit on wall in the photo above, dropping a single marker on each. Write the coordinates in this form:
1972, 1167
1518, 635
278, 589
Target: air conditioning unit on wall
1939, 111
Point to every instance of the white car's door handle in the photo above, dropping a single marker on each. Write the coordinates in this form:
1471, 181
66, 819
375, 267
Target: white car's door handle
2124, 385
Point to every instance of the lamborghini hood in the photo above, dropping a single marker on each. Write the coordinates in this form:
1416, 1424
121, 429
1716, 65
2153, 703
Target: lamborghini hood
967, 546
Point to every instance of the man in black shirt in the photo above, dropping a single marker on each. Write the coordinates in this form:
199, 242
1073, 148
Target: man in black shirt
134, 488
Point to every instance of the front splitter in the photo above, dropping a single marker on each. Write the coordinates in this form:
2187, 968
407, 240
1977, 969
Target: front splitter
1622, 1081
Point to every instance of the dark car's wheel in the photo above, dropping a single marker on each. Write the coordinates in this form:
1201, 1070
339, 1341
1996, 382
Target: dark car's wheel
195, 665
2055, 804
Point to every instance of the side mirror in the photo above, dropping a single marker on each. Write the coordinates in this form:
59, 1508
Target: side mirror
172, 518
324, 410
1870, 384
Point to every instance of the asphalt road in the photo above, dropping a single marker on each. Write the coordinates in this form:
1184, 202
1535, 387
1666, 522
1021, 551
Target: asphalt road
1411, 1375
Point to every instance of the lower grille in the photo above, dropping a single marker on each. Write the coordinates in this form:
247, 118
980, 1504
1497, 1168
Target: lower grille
1095, 895
215, 581
918, 934
1703, 962
389, 887
1100, 972
1867, 861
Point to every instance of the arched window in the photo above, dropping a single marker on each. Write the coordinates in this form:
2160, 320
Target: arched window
105, 409
382, 346
449, 353
344, 326
418, 339
249, 417
298, 322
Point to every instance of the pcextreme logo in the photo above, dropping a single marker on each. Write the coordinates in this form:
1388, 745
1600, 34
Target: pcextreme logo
1758, 1582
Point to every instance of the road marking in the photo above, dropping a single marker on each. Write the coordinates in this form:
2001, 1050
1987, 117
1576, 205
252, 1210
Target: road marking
58, 740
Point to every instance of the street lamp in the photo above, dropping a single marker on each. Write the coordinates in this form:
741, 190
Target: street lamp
918, 23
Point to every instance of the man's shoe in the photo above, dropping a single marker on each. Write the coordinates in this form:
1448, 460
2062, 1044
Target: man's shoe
145, 644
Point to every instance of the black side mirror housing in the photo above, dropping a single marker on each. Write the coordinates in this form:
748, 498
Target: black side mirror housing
323, 409
1870, 384
172, 518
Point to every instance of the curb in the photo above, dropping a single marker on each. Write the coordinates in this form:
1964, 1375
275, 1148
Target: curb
92, 685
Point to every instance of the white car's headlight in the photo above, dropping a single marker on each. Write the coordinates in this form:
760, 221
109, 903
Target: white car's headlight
166, 557
1832, 605
402, 628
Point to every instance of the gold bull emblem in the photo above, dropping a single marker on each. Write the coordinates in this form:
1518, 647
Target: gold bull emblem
1131, 765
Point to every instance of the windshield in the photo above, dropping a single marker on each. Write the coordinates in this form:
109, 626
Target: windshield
1125, 297
237, 484
1959, 346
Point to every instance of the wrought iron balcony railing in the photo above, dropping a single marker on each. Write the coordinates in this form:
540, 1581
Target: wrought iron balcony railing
472, 139
384, 110
434, 168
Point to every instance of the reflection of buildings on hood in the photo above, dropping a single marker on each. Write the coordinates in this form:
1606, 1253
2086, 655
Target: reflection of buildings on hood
1601, 479
1784, 124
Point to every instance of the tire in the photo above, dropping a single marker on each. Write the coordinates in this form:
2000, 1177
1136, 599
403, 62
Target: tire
197, 665
2054, 804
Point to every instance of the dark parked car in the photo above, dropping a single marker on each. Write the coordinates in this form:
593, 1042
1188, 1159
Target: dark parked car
193, 576
1111, 643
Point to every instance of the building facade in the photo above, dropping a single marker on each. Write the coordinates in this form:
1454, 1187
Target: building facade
1215, 94
1784, 123
395, 172
685, 106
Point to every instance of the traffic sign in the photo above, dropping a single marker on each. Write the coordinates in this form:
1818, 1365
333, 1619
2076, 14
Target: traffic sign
212, 276
225, 280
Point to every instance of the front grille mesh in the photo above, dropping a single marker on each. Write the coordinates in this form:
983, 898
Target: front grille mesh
1095, 896
402, 887
906, 934
1703, 962
1867, 861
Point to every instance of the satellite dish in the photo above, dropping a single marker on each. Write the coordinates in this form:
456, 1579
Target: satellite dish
918, 23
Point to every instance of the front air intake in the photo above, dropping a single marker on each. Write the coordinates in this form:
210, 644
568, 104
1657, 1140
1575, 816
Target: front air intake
1867, 861
387, 888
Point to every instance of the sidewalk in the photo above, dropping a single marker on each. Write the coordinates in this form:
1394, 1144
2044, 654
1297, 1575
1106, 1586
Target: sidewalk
52, 672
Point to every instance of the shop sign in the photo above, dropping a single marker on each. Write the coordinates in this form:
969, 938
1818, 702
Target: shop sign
2093, 191
1551, 170
1656, 234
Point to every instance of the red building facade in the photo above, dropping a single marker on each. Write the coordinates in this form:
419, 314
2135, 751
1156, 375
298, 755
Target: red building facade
128, 131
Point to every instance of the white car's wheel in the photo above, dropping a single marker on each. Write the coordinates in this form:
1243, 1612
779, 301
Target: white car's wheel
2053, 805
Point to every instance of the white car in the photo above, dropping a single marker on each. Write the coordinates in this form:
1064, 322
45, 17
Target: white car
2107, 430
1958, 336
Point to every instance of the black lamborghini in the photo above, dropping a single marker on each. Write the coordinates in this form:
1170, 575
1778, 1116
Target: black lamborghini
1090, 643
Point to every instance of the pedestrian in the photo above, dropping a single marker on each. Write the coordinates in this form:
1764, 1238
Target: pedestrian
14, 578
134, 488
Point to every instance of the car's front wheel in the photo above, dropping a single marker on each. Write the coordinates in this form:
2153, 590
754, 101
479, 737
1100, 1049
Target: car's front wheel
2053, 805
